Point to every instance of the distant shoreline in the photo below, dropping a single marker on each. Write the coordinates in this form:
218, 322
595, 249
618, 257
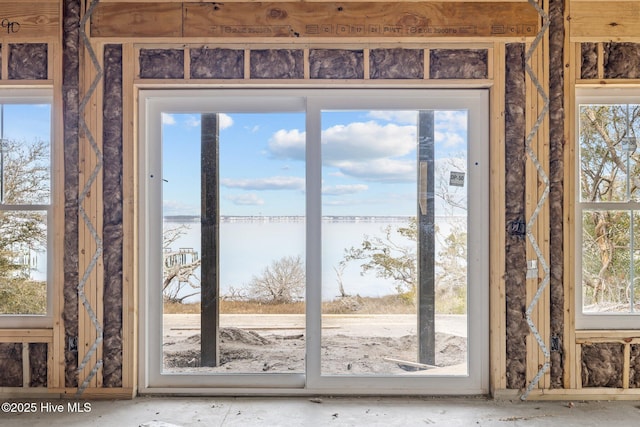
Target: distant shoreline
291, 218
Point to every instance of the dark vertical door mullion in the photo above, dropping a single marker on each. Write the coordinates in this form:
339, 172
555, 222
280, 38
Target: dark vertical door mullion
209, 217
426, 238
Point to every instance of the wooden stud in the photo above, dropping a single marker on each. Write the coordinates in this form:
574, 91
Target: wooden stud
5, 61
306, 64
626, 362
187, 63
427, 64
26, 367
366, 63
600, 48
571, 379
129, 243
578, 367
247, 64
497, 303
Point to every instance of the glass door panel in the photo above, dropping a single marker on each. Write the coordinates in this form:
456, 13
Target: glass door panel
394, 242
233, 203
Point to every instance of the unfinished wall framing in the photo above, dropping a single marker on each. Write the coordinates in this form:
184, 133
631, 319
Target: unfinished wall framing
93, 56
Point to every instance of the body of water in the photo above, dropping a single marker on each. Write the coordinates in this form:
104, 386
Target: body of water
248, 246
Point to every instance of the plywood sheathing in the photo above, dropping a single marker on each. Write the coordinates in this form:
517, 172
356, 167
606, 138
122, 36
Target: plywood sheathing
11, 365
634, 366
602, 364
556, 190
336, 64
38, 364
161, 63
276, 64
515, 247
458, 63
71, 96
112, 217
396, 63
589, 62
28, 61
216, 63
621, 60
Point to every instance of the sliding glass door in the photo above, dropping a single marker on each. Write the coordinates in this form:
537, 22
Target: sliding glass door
319, 241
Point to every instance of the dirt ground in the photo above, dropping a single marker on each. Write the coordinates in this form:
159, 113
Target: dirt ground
350, 344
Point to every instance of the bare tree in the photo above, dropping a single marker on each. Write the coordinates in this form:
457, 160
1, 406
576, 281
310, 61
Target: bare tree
179, 280
25, 180
283, 281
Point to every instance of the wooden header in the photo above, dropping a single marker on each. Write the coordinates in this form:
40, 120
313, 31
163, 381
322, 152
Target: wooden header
591, 21
316, 20
20, 20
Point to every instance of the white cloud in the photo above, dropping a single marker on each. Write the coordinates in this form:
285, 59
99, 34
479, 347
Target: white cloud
355, 141
450, 140
288, 144
192, 121
381, 170
225, 121
168, 119
409, 117
250, 199
270, 183
360, 141
339, 190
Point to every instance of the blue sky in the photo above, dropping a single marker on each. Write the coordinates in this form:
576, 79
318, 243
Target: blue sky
27, 122
368, 161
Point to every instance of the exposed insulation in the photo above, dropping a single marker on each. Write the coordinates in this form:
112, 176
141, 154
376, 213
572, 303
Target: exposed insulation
634, 367
516, 264
28, 61
38, 364
621, 60
602, 365
70, 100
10, 364
161, 63
556, 191
396, 63
458, 64
336, 64
217, 63
277, 64
589, 66
112, 217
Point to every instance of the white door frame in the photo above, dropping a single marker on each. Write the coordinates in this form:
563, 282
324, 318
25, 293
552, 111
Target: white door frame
154, 101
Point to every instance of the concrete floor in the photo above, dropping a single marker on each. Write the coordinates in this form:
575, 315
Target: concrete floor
305, 411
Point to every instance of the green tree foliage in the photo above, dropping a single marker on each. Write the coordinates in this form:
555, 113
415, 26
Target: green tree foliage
25, 181
387, 258
609, 172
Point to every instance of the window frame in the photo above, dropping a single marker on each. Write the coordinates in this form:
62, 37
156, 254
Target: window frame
37, 96
151, 103
586, 320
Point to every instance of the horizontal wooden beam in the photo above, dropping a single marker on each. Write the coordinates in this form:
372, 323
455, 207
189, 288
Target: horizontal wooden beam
316, 20
137, 20
617, 21
21, 20
26, 335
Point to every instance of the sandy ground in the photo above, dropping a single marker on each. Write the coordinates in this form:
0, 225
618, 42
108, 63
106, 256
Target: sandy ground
351, 344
